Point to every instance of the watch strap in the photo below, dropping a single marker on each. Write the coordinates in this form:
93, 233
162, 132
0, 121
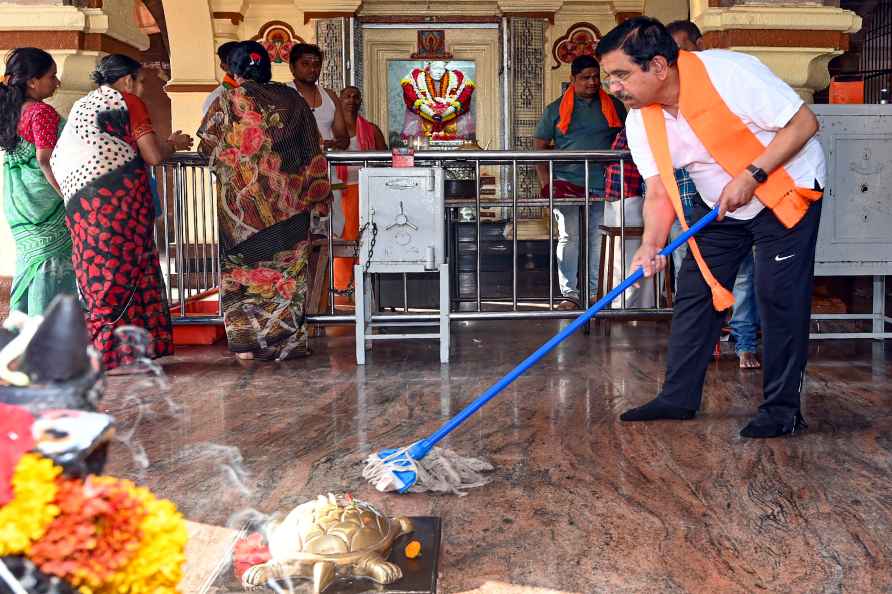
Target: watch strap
757, 172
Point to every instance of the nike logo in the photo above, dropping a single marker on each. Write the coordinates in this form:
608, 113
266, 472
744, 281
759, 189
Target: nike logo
777, 258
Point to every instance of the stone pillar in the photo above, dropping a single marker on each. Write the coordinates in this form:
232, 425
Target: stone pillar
667, 10
76, 37
227, 27
193, 60
795, 38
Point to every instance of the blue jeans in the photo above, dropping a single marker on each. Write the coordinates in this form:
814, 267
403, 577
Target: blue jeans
676, 230
745, 320
568, 227
680, 252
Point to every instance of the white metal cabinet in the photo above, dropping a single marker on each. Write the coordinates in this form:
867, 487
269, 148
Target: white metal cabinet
854, 238
401, 217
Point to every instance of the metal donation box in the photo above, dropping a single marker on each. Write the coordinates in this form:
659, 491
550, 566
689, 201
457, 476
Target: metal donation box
403, 210
854, 237
401, 219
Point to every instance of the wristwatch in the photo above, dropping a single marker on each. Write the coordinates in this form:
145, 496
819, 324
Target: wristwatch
758, 173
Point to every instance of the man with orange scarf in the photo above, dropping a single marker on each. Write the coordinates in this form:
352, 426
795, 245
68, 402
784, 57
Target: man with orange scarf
748, 142
364, 136
228, 82
584, 118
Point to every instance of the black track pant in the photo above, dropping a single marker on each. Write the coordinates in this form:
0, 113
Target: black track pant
784, 274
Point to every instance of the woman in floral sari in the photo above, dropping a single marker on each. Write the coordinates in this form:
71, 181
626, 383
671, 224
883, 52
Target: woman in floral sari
33, 205
100, 162
263, 146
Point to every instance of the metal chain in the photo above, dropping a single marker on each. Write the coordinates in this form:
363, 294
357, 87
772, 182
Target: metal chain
348, 292
368, 261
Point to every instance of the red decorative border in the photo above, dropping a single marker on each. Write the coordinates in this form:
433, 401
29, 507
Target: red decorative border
425, 52
278, 37
561, 49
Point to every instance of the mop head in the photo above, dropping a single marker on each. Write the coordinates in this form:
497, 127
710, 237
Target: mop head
441, 471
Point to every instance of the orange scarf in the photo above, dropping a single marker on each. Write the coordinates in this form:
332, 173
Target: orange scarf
365, 138
566, 110
731, 144
229, 82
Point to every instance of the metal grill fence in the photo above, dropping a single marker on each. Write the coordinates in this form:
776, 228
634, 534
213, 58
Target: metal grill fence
876, 55
187, 234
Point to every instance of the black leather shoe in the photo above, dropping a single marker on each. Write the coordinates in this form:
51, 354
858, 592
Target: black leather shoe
766, 425
655, 410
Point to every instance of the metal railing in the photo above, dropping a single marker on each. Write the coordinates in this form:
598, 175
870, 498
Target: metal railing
189, 250
186, 235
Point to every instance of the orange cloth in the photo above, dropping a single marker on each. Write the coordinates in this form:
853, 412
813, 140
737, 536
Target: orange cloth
722, 298
565, 111
734, 147
343, 267
229, 82
365, 138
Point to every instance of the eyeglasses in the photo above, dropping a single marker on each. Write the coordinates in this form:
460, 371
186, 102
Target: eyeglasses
615, 78
622, 78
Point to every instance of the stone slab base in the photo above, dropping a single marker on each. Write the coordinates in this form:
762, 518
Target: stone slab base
419, 575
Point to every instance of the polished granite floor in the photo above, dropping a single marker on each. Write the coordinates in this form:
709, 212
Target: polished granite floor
578, 502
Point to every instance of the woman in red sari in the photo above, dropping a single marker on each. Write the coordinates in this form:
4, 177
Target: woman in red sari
100, 162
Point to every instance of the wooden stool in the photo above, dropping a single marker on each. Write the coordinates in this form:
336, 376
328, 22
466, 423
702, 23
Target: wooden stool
608, 234
317, 284
318, 278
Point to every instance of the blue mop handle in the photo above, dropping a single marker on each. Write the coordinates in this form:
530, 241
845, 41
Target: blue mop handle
421, 448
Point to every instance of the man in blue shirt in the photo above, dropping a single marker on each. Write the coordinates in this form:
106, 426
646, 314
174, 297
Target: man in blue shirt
584, 118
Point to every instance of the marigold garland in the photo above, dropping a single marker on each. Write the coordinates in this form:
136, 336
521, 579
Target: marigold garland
25, 519
157, 566
102, 535
95, 535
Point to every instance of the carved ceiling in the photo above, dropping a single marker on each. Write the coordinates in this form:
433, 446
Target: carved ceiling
434, 7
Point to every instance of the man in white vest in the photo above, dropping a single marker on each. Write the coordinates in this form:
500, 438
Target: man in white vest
305, 61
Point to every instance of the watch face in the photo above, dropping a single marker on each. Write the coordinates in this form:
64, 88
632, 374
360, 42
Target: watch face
758, 174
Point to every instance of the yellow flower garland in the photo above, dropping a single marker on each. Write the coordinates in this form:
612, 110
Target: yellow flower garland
25, 519
157, 566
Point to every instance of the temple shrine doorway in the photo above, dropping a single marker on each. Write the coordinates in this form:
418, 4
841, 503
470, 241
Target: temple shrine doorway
463, 79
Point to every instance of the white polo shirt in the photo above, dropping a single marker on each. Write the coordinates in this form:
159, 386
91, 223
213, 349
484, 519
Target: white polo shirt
763, 102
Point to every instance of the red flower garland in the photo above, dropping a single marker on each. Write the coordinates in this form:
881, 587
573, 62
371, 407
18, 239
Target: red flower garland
248, 552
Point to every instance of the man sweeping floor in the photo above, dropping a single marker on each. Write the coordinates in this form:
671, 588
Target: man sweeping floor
748, 142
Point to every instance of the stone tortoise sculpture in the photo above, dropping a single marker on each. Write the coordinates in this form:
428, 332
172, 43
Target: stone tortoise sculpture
328, 538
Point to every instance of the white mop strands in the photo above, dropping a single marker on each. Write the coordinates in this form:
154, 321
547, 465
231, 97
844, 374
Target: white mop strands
441, 471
